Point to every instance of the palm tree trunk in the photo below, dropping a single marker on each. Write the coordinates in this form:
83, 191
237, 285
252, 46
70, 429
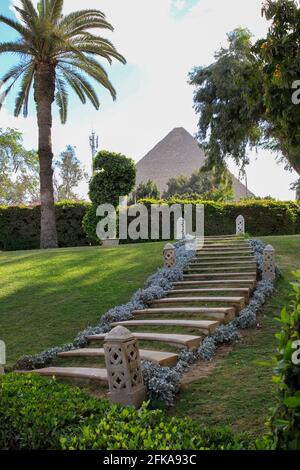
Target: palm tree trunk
44, 91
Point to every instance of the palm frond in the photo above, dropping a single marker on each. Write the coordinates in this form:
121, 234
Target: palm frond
23, 96
25, 32
56, 11
61, 99
69, 19
92, 68
88, 23
86, 87
15, 71
15, 47
29, 8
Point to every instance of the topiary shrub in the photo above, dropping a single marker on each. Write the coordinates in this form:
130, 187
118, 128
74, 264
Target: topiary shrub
114, 177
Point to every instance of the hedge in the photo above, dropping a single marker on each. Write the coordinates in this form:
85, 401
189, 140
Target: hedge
38, 413
20, 225
262, 218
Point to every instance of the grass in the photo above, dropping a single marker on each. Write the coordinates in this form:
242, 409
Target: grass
47, 297
238, 392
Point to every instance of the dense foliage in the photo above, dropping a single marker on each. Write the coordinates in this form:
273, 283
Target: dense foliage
69, 173
145, 190
39, 413
285, 421
19, 170
244, 98
214, 185
19, 225
114, 177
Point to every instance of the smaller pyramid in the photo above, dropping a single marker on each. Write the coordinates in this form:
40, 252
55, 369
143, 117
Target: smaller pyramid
178, 154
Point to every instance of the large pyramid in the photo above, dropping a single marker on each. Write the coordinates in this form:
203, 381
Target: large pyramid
177, 154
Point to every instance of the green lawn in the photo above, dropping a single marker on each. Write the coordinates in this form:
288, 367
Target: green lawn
47, 297
239, 393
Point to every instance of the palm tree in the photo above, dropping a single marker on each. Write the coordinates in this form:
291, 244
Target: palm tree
55, 51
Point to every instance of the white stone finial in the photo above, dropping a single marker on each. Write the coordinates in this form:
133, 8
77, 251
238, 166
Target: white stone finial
124, 371
169, 255
269, 266
180, 228
240, 225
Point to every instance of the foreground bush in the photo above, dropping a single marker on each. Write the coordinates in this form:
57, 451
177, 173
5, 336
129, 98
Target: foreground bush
40, 413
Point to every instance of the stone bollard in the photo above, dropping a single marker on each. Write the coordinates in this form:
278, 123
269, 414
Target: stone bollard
169, 256
123, 363
240, 225
269, 267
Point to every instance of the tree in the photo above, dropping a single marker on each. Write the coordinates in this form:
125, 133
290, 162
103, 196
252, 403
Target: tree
147, 190
228, 123
215, 184
279, 56
114, 177
244, 98
19, 179
56, 51
70, 174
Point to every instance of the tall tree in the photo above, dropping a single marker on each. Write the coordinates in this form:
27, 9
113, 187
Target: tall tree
19, 179
215, 184
245, 98
56, 51
146, 190
69, 174
228, 122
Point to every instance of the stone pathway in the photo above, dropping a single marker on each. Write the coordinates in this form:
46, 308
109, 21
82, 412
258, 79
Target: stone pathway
216, 285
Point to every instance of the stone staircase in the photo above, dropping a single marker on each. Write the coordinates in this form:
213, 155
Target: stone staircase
216, 285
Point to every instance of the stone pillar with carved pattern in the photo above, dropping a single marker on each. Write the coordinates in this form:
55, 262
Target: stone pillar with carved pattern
240, 225
269, 267
169, 256
123, 363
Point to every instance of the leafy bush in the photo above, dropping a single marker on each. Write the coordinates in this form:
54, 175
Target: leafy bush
20, 226
262, 217
285, 421
39, 413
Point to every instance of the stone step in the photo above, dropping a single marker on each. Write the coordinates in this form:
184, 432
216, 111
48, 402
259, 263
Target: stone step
165, 359
74, 372
201, 258
245, 291
244, 275
236, 244
205, 326
212, 283
238, 302
214, 253
184, 341
223, 314
216, 269
224, 263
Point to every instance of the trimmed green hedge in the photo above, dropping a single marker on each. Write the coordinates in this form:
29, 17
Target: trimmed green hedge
20, 226
40, 413
262, 217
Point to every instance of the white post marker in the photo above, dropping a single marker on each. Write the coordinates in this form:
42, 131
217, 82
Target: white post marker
123, 363
269, 268
169, 256
2, 356
180, 228
240, 225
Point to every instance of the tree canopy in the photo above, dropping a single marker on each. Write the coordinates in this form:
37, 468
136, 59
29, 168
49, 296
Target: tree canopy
68, 175
244, 98
19, 176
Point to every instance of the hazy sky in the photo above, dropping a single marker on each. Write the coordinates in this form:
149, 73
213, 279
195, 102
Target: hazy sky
162, 40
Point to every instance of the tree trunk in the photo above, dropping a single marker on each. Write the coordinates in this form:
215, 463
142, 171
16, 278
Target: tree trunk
44, 91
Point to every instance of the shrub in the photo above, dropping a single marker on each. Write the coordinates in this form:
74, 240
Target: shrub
20, 226
285, 421
39, 413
